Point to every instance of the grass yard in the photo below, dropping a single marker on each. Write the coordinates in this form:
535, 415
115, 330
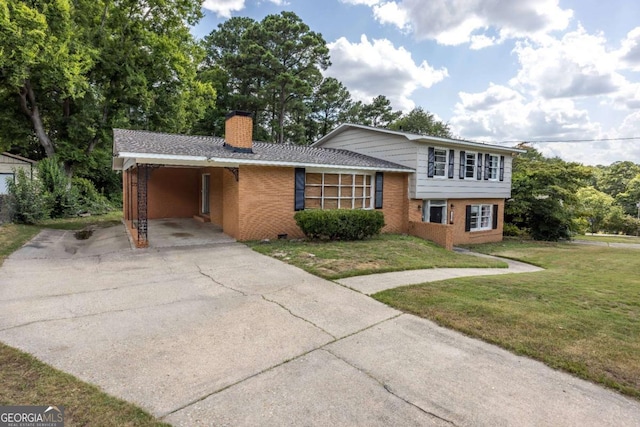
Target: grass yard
609, 239
581, 315
26, 381
387, 252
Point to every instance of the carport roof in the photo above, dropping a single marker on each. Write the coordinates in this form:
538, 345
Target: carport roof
193, 150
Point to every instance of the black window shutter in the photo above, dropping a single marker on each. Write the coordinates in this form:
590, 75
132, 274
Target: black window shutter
495, 217
501, 168
479, 167
467, 219
432, 160
451, 162
379, 189
299, 189
486, 165
463, 164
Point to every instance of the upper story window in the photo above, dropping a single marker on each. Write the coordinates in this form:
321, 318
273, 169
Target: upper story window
440, 162
469, 165
493, 167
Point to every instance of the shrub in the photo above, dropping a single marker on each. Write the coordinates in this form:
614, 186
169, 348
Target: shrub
512, 230
89, 199
61, 197
26, 202
340, 224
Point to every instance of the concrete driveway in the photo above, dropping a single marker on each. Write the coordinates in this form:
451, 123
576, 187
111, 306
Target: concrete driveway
220, 335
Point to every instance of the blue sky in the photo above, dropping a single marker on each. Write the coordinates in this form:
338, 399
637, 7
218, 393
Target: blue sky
495, 70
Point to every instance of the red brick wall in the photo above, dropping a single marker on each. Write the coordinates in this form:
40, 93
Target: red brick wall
460, 236
440, 234
267, 203
394, 202
230, 210
173, 193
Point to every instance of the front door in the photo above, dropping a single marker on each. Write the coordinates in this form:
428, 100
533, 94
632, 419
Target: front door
435, 214
205, 194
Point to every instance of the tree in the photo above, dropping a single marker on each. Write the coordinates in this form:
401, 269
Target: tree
630, 197
329, 103
544, 195
72, 70
595, 206
422, 123
273, 67
615, 177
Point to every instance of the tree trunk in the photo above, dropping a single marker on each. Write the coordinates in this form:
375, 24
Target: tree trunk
30, 108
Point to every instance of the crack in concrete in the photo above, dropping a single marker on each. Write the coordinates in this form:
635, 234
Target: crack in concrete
299, 317
199, 299
388, 389
270, 368
220, 283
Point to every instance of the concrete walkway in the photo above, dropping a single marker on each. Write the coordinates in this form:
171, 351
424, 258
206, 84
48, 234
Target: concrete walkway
221, 335
372, 283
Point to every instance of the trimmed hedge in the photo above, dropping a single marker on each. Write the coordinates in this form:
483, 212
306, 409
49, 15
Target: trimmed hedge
340, 224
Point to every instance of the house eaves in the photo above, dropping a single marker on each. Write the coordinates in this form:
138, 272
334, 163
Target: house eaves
419, 139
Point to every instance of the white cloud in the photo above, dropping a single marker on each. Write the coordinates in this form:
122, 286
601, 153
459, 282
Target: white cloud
454, 22
223, 8
369, 69
576, 65
391, 13
629, 53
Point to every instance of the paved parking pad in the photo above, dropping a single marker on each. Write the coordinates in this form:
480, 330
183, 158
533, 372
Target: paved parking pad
221, 335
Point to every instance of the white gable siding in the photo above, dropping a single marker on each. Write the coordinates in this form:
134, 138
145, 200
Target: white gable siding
375, 144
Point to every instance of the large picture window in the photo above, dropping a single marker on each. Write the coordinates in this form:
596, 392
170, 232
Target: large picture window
338, 191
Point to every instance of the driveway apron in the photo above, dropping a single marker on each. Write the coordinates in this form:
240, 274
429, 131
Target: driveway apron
221, 335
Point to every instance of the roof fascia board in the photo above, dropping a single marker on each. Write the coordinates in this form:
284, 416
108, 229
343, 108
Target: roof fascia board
416, 138
225, 162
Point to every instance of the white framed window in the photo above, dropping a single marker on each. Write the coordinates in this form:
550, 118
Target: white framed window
434, 211
470, 165
440, 162
481, 217
338, 191
493, 167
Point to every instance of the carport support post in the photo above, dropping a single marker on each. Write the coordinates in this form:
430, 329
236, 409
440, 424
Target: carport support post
143, 178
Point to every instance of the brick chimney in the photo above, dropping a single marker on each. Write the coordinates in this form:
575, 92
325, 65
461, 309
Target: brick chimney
238, 132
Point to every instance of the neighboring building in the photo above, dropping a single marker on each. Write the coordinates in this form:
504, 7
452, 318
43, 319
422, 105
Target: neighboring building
9, 164
251, 189
458, 191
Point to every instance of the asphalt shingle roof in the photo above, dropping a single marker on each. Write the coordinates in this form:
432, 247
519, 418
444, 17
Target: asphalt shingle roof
144, 142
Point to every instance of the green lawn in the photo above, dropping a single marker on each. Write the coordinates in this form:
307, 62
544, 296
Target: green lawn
388, 252
609, 239
581, 315
26, 381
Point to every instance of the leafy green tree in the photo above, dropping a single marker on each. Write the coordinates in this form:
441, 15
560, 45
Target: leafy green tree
330, 101
614, 178
422, 123
544, 195
72, 70
630, 197
595, 206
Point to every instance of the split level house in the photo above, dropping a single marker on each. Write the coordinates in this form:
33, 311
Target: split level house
443, 190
